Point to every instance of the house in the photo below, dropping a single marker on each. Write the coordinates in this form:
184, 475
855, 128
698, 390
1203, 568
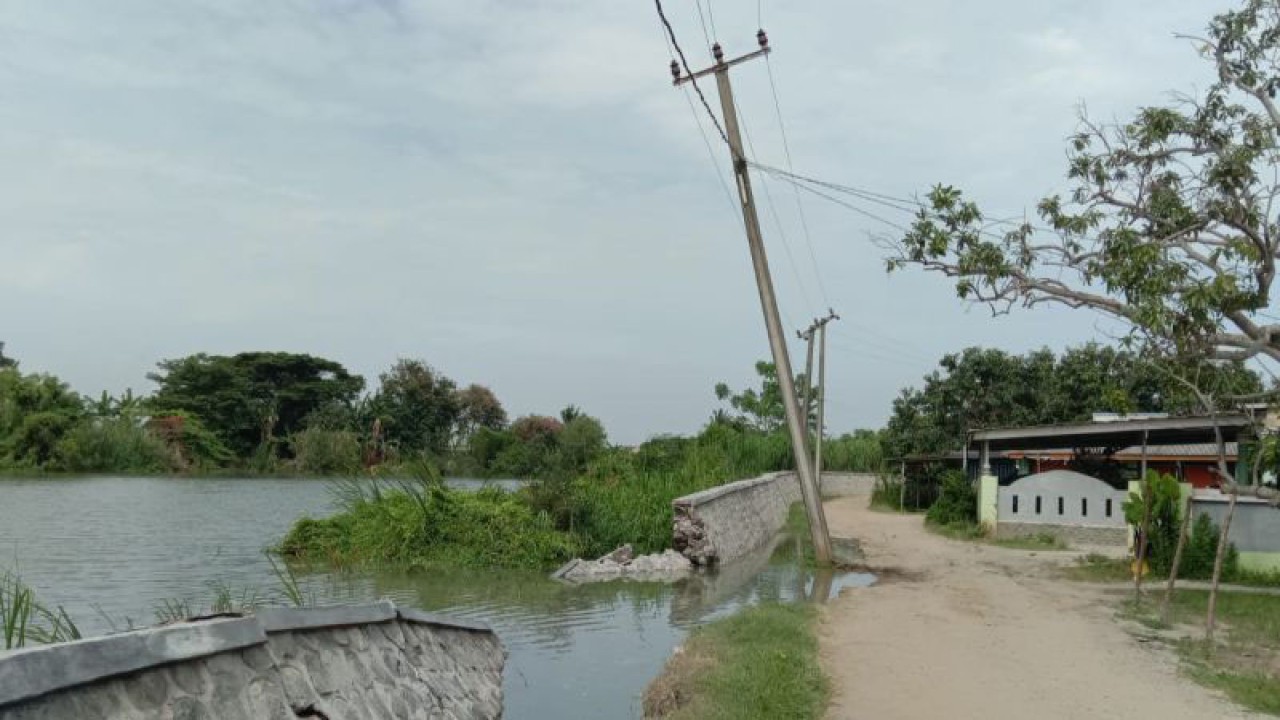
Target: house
1072, 479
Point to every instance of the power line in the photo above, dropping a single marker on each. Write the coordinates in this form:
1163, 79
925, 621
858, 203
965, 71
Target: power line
711, 154
786, 149
777, 221
703, 21
684, 62
697, 120
847, 189
907, 205
710, 16
850, 206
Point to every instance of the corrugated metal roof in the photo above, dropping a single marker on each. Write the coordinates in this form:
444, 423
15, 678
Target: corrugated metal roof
1134, 452
1162, 431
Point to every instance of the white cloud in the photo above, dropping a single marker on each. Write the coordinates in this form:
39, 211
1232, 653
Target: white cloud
514, 190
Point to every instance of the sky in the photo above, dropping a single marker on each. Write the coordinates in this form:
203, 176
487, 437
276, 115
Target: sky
515, 193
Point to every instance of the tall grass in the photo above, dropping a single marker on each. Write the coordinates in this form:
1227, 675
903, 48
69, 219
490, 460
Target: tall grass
859, 452
24, 619
419, 522
623, 497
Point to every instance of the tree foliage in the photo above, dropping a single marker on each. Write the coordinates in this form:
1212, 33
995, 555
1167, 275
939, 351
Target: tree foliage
983, 388
478, 408
1169, 227
36, 411
249, 398
759, 409
418, 405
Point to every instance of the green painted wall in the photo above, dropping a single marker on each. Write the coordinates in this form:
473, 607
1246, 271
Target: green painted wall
1265, 562
988, 502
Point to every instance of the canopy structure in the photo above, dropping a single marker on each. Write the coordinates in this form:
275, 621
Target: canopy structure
1114, 434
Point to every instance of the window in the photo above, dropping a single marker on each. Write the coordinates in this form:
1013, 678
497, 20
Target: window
1084, 507
1062, 505
1108, 507
1037, 504
1015, 504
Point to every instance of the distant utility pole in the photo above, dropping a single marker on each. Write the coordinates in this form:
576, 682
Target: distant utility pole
768, 301
807, 336
822, 392
819, 330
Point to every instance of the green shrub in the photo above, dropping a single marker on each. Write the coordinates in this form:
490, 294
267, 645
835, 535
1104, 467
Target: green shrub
957, 503
887, 493
1165, 520
114, 445
35, 442
1165, 523
328, 453
421, 523
1202, 549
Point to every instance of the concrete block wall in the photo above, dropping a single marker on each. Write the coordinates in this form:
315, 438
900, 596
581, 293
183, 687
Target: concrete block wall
1255, 528
1070, 534
370, 661
727, 522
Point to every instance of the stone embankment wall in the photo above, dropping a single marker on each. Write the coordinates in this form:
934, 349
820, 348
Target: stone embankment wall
727, 522
369, 661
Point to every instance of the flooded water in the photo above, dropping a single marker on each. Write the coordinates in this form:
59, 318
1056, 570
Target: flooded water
110, 550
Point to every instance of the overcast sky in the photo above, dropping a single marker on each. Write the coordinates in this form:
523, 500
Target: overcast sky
514, 192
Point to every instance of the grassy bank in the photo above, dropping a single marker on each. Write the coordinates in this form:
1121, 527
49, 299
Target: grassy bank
620, 496
761, 663
421, 524
1245, 661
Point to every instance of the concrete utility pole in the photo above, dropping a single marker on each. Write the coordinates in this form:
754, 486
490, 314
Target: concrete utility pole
768, 301
807, 336
817, 329
822, 392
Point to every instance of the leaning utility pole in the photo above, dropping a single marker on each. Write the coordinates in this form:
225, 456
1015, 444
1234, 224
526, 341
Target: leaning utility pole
822, 392
764, 283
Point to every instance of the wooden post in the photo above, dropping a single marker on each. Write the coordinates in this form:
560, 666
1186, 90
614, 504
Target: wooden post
1211, 620
1183, 530
1140, 549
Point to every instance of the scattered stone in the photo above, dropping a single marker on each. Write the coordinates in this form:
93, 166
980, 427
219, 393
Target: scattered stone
622, 555
622, 563
689, 537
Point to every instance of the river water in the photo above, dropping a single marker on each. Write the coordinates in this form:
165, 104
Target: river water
112, 550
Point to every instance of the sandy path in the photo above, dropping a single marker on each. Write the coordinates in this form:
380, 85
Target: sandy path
977, 631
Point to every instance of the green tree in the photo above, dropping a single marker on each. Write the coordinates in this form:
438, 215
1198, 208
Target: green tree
5, 361
1169, 226
983, 388
419, 407
581, 440
35, 412
478, 408
249, 399
760, 409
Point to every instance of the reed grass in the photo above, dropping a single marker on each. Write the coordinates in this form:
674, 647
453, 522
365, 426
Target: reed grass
24, 619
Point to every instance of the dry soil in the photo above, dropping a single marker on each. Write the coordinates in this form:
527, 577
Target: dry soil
963, 631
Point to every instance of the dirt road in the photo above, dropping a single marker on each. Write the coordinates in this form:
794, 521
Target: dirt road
975, 631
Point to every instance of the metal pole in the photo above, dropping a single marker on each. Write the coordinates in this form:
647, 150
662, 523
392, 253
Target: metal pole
1143, 476
822, 401
772, 321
